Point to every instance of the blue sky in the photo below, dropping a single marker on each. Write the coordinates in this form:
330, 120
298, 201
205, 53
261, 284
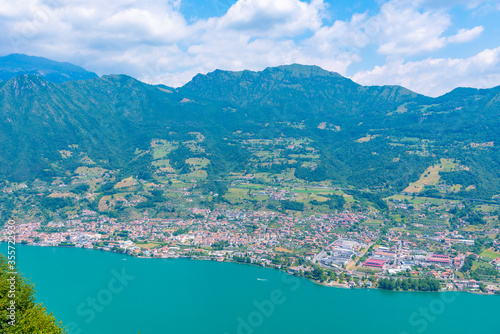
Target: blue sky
429, 46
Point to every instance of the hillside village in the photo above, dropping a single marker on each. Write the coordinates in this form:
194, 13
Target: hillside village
273, 215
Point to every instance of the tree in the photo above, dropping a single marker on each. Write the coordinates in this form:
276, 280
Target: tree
468, 264
427, 284
318, 273
30, 316
81, 189
405, 285
292, 205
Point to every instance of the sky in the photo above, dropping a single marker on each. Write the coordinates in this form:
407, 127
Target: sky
428, 46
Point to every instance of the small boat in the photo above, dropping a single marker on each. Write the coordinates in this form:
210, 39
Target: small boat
261, 279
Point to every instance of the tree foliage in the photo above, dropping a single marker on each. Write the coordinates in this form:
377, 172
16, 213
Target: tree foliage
31, 317
405, 284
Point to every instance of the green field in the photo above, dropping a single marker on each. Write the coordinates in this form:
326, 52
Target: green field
490, 254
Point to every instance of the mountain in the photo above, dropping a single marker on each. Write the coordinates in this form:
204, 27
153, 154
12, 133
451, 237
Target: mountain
297, 120
304, 85
104, 116
19, 64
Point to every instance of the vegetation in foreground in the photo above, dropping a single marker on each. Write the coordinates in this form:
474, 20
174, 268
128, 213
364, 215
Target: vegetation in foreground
30, 317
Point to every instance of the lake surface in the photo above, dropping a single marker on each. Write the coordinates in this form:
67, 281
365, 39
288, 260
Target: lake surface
96, 292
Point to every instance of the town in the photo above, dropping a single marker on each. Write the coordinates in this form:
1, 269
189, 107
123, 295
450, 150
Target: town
323, 247
334, 234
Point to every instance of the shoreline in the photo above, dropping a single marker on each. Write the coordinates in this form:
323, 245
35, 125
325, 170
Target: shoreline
329, 285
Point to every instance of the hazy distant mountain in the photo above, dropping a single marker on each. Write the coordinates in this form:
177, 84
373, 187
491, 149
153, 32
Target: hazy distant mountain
15, 65
378, 137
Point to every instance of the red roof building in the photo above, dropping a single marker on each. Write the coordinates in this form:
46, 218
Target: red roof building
374, 263
439, 258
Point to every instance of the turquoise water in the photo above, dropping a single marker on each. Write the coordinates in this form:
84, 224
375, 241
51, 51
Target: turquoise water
97, 292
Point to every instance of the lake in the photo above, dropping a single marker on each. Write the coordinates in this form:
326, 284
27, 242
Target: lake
97, 292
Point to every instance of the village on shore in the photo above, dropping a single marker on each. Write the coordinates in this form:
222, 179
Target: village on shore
435, 231
304, 246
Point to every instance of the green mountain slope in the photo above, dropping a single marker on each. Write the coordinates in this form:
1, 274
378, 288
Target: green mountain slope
18, 64
314, 124
297, 89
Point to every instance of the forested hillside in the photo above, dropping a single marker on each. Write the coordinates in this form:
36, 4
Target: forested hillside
289, 122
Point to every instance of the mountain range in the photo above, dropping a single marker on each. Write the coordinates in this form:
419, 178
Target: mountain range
375, 138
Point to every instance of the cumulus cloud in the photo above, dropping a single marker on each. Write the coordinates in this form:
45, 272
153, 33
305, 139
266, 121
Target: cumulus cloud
465, 35
434, 77
91, 32
254, 33
401, 28
272, 18
153, 41
405, 30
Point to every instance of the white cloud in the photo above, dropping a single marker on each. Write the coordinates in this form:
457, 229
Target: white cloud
470, 4
255, 34
465, 35
434, 77
272, 18
405, 30
401, 28
150, 39
90, 31
340, 37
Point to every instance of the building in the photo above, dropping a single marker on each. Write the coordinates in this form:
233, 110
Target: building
374, 263
439, 258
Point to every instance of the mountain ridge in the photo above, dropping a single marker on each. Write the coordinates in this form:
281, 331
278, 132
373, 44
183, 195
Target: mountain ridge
275, 77
14, 65
375, 137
